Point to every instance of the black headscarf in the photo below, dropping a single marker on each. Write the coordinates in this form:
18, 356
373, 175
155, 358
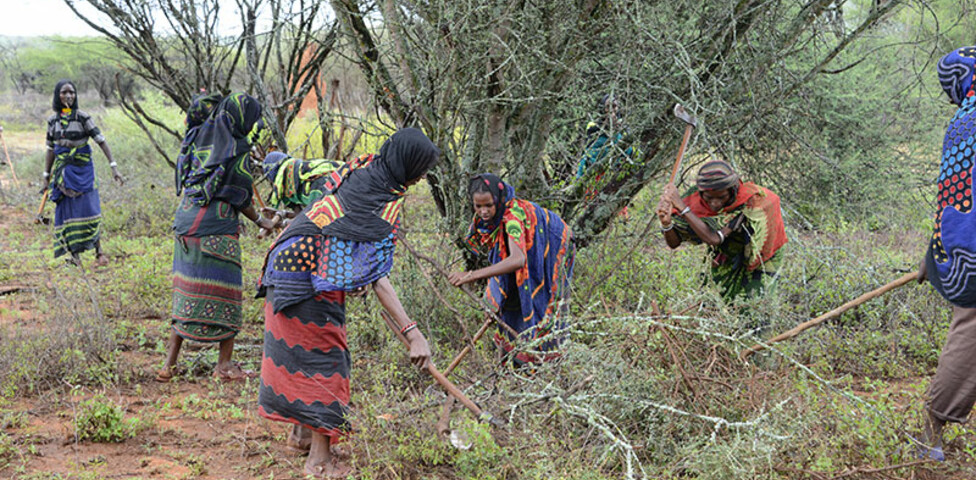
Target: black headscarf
56, 104
407, 155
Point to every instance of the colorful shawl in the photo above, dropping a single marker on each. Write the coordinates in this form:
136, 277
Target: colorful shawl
951, 259
764, 219
294, 182
351, 231
210, 163
543, 282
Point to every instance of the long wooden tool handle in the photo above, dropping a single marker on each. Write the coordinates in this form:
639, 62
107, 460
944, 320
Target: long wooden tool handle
467, 348
681, 152
40, 210
9, 161
257, 197
908, 277
434, 372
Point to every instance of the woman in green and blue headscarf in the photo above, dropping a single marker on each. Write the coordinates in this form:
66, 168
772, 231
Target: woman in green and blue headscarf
214, 177
297, 183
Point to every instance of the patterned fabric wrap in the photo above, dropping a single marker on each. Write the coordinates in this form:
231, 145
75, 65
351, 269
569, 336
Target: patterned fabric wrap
200, 109
955, 72
77, 222
297, 183
306, 363
207, 287
67, 135
216, 218
717, 175
198, 113
213, 156
739, 263
542, 285
302, 266
70, 129
951, 259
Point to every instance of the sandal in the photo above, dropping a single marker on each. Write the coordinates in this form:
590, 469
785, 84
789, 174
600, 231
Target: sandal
237, 374
164, 375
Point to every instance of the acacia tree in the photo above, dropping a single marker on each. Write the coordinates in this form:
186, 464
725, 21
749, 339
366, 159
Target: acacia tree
506, 85
176, 47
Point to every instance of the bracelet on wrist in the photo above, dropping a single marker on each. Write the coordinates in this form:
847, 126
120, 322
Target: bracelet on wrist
46, 174
410, 326
721, 236
113, 164
667, 228
684, 211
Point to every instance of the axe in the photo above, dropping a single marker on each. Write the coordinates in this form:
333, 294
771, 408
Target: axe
690, 123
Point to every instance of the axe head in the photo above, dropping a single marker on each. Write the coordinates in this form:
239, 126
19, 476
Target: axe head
684, 116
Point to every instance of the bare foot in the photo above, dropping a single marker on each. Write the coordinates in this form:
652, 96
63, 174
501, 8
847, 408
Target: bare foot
101, 260
335, 469
299, 439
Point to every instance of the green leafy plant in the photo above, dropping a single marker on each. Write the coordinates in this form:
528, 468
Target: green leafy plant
101, 420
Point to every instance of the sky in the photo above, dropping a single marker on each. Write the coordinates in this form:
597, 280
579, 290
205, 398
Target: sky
35, 18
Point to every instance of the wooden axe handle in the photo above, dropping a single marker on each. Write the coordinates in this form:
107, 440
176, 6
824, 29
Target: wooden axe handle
257, 197
434, 372
908, 277
467, 348
40, 210
681, 152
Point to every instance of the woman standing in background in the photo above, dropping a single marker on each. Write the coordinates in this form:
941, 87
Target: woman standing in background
70, 175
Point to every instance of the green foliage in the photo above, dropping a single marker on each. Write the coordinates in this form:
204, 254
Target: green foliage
100, 419
38, 64
484, 459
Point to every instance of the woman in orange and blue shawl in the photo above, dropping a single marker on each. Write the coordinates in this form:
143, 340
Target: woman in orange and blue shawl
741, 222
531, 254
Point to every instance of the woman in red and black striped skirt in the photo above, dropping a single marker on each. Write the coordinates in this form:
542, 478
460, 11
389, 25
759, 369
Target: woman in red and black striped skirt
341, 243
